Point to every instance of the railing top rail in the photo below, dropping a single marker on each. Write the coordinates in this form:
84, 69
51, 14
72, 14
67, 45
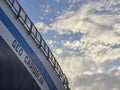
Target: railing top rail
32, 30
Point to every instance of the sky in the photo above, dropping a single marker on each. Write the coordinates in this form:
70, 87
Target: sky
84, 36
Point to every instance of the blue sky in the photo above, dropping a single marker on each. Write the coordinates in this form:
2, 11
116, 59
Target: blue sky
84, 36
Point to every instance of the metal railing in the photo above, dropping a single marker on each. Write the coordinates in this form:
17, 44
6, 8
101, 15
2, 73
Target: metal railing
32, 30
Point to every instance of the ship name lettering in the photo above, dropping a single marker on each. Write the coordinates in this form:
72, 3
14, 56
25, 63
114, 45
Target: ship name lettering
34, 70
17, 47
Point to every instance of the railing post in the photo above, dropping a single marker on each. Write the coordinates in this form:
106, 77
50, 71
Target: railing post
30, 29
39, 45
12, 2
48, 55
54, 62
44, 45
25, 18
18, 13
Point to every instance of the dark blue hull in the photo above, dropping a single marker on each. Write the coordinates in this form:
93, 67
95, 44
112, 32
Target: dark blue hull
13, 74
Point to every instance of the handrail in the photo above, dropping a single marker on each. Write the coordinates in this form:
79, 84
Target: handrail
32, 30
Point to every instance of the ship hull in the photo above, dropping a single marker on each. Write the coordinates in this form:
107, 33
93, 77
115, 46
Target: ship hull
22, 65
26, 62
13, 74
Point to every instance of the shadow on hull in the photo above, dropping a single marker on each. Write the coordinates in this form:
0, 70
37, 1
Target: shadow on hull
13, 74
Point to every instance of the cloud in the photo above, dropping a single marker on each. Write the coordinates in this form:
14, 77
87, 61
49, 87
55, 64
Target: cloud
59, 51
87, 75
73, 45
51, 42
73, 1
97, 29
85, 19
42, 26
98, 21
97, 82
47, 9
90, 62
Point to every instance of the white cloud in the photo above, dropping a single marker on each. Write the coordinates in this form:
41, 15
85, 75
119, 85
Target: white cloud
42, 27
97, 82
99, 23
97, 30
47, 9
87, 75
100, 42
72, 45
73, 1
84, 19
59, 51
51, 42
117, 27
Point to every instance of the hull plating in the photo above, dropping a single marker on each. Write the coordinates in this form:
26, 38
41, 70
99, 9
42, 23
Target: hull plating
13, 74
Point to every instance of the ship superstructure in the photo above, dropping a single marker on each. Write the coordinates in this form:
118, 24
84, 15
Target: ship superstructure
26, 61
